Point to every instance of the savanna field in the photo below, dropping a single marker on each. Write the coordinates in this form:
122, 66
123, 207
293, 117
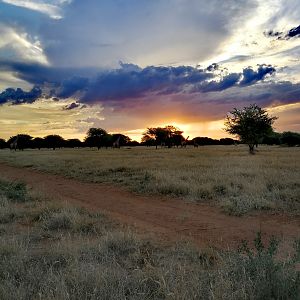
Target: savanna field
56, 250
51, 250
225, 176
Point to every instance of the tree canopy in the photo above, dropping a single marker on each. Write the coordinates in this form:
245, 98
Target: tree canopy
54, 141
168, 136
250, 124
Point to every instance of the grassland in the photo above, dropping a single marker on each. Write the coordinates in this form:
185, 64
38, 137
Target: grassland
222, 175
54, 251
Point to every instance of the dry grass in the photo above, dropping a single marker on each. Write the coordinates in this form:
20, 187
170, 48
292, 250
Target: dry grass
45, 254
223, 175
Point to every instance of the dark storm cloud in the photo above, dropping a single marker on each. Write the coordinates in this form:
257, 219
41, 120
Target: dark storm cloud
293, 32
227, 82
39, 74
130, 81
264, 94
18, 96
272, 33
212, 67
71, 106
123, 83
251, 76
246, 78
72, 86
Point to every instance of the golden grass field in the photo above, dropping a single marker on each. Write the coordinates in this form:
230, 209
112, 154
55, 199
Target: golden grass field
226, 176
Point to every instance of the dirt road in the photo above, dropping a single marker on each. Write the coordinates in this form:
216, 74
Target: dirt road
163, 217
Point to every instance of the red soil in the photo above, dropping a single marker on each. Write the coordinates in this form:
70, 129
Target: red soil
163, 217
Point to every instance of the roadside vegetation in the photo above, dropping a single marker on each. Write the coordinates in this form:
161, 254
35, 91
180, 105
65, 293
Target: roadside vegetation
225, 176
55, 251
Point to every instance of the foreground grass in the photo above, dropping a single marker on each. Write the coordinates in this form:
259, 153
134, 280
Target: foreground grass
51, 251
224, 175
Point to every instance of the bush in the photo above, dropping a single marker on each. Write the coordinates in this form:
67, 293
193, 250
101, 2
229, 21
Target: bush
258, 274
14, 191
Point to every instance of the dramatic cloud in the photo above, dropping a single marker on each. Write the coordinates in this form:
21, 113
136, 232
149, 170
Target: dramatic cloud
280, 35
130, 81
17, 45
251, 76
50, 8
100, 33
65, 54
18, 96
72, 105
227, 82
294, 32
73, 85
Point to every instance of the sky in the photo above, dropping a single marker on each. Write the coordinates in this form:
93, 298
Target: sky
125, 65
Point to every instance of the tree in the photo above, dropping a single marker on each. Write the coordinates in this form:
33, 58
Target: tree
148, 140
227, 141
290, 138
124, 139
38, 143
203, 141
250, 124
3, 144
159, 134
24, 141
133, 144
54, 141
273, 138
73, 143
95, 137
167, 135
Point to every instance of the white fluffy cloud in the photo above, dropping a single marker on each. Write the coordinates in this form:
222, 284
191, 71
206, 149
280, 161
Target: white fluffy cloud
51, 8
249, 45
17, 45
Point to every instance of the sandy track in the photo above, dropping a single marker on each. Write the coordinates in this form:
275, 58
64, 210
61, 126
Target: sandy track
161, 216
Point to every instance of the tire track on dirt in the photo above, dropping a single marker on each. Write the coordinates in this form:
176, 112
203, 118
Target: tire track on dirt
166, 218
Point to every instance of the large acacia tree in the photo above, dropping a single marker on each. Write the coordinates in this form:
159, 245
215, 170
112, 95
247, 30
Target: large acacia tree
167, 135
250, 124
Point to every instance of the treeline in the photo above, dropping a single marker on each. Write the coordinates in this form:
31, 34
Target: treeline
168, 136
287, 138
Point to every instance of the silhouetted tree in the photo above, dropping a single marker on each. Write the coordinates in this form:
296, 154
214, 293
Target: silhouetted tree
250, 124
133, 144
227, 141
73, 143
272, 138
177, 138
162, 135
159, 134
24, 141
54, 141
204, 141
108, 140
3, 144
124, 139
290, 138
38, 143
95, 137
148, 141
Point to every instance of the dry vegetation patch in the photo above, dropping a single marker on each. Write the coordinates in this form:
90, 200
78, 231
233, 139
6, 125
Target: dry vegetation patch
54, 251
223, 175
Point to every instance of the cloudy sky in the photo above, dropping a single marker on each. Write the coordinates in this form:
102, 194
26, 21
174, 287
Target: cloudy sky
123, 65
